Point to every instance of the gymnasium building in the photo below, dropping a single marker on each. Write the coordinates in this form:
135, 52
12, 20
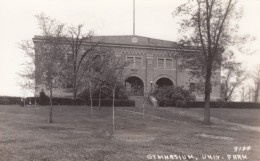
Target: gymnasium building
154, 63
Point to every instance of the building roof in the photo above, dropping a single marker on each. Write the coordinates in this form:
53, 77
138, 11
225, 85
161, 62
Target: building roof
135, 41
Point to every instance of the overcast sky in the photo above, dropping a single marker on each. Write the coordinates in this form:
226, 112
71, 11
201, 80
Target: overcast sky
105, 17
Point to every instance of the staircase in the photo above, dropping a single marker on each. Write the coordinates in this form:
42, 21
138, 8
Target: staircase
140, 100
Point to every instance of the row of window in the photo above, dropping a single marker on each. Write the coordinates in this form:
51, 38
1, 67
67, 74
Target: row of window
135, 61
162, 63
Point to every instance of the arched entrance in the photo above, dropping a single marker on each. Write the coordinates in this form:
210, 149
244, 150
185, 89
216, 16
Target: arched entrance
134, 86
162, 82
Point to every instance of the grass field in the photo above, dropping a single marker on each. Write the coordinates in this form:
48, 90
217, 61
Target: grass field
76, 135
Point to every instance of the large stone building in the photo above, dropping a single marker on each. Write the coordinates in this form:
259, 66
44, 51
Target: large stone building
154, 63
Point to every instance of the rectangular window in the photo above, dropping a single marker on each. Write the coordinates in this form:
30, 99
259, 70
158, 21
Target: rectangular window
130, 60
160, 63
138, 61
168, 63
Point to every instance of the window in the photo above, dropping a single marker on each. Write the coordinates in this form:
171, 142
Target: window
192, 87
138, 61
135, 61
168, 63
131, 60
165, 63
160, 63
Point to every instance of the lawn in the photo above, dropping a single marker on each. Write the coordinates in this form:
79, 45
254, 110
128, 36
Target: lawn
76, 135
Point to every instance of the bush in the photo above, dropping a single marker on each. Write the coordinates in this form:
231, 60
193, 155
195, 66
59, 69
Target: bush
109, 102
168, 96
7, 100
106, 93
181, 103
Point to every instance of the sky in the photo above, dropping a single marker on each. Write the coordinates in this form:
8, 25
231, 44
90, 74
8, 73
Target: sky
105, 17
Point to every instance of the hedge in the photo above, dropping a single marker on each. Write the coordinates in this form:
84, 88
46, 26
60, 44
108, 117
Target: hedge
109, 102
31, 100
234, 105
63, 101
66, 101
8, 100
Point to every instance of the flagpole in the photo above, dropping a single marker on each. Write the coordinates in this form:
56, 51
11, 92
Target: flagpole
134, 17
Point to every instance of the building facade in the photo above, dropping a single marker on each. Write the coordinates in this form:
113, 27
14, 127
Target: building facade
154, 63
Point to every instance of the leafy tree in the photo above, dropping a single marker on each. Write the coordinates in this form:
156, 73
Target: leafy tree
50, 55
211, 27
46, 57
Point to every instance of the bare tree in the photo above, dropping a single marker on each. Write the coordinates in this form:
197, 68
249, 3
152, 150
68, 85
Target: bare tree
232, 77
114, 75
256, 78
211, 27
28, 74
80, 49
95, 73
250, 90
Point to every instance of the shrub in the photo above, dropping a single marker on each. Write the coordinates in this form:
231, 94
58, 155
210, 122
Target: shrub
106, 93
168, 96
43, 99
181, 103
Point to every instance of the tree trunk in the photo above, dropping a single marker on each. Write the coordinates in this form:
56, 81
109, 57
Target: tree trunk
90, 96
50, 112
74, 79
257, 93
99, 98
74, 92
113, 105
207, 95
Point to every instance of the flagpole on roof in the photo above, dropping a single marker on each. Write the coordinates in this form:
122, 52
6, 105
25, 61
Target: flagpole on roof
134, 17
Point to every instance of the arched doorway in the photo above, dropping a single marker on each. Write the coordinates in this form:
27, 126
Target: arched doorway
162, 82
134, 86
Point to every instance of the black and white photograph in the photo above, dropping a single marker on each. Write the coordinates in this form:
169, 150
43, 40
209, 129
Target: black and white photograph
129, 80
